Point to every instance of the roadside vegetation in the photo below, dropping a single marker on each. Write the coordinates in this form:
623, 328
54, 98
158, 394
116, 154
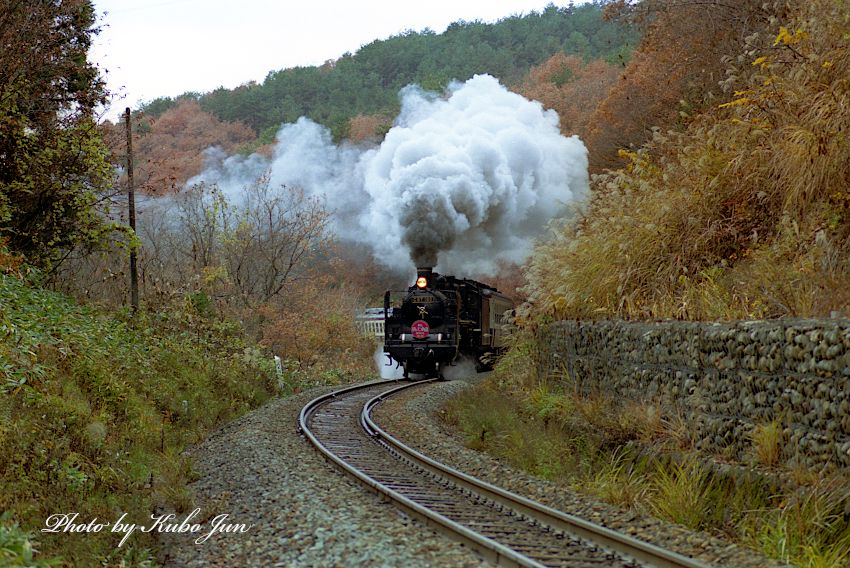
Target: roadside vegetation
737, 208
95, 413
633, 457
97, 406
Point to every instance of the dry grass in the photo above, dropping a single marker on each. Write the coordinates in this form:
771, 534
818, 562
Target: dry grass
768, 441
583, 443
809, 528
677, 432
619, 481
684, 493
644, 420
744, 214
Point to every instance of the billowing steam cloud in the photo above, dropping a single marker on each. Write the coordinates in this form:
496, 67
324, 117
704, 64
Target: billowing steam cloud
459, 183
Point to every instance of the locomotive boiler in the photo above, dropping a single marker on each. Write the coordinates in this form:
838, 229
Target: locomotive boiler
441, 320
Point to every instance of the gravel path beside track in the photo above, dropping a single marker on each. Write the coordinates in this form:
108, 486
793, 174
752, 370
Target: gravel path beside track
304, 512
411, 418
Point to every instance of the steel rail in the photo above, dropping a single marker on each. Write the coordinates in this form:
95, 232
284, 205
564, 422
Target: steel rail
608, 538
494, 551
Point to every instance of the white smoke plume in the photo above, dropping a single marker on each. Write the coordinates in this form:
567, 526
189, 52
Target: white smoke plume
459, 183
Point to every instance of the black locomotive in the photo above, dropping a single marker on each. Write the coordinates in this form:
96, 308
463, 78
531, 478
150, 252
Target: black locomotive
442, 319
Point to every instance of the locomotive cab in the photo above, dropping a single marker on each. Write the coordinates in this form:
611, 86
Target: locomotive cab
440, 319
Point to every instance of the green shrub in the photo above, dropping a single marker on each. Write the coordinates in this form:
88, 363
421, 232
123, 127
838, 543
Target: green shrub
16, 546
95, 414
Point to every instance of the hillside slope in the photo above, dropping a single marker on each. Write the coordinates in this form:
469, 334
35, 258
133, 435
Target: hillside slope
95, 413
745, 213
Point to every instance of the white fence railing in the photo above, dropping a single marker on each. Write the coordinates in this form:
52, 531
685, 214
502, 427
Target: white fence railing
371, 322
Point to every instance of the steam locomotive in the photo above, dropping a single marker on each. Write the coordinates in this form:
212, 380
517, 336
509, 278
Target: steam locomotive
442, 319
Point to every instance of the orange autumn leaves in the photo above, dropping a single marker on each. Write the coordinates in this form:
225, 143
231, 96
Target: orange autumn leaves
169, 149
571, 87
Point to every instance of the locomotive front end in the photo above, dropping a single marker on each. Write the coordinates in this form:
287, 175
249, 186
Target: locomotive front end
421, 333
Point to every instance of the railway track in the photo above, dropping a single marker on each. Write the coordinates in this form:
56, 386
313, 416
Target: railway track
503, 527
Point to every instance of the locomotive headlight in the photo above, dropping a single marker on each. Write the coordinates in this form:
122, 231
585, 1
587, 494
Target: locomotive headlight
421, 282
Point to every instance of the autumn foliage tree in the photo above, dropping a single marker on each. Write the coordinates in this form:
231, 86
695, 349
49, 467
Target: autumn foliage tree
239, 250
675, 71
744, 213
368, 127
264, 258
53, 167
169, 149
571, 87
314, 325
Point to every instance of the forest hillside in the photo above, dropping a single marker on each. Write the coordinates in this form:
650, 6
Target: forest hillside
367, 82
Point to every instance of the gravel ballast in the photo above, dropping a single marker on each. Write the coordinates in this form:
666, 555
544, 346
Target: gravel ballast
411, 417
301, 510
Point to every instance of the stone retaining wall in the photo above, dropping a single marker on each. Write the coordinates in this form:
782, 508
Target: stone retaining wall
723, 378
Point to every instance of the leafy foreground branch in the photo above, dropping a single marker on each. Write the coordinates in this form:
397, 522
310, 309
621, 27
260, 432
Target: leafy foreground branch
633, 457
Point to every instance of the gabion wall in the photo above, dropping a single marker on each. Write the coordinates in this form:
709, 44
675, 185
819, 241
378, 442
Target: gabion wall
723, 378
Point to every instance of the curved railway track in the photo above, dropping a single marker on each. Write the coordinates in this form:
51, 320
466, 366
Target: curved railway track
503, 527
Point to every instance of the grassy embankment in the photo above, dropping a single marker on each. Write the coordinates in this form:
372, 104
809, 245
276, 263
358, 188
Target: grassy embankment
95, 414
744, 212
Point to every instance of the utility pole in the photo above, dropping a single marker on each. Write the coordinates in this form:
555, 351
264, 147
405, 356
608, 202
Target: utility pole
134, 276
